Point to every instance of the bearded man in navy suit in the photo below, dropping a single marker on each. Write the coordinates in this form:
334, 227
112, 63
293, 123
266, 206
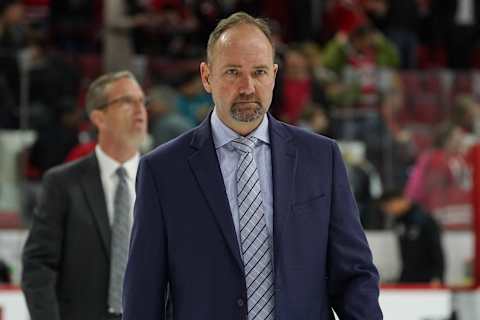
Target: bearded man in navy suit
246, 217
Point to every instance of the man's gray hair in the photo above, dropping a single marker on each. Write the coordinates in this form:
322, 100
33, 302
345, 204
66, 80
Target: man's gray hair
97, 91
232, 21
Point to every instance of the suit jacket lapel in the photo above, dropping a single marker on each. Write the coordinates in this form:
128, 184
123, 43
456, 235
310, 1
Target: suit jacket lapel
206, 168
284, 162
92, 186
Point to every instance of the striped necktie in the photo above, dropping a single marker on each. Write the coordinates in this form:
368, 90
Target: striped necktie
255, 241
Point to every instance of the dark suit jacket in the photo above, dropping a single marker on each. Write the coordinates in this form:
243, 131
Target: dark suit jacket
183, 234
66, 257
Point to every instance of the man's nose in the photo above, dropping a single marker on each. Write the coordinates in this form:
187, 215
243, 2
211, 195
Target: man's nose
247, 86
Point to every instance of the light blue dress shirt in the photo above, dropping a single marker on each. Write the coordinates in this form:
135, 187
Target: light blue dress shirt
228, 158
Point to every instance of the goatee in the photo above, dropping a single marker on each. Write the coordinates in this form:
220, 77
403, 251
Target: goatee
247, 112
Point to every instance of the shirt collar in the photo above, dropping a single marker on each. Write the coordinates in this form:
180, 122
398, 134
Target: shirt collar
109, 166
222, 134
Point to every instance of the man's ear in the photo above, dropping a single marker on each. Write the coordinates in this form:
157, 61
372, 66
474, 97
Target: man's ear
205, 74
275, 70
97, 118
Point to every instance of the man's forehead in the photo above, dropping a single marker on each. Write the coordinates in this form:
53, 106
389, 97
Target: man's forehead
122, 82
240, 48
242, 33
124, 85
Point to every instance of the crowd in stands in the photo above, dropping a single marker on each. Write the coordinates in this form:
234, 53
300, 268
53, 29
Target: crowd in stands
392, 79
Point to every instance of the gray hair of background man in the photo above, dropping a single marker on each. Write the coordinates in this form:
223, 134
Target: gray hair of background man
97, 91
232, 21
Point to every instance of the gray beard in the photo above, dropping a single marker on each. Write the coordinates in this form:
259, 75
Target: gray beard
247, 115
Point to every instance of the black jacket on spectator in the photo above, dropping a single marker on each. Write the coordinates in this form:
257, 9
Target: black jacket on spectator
403, 15
5, 277
420, 247
9, 90
460, 40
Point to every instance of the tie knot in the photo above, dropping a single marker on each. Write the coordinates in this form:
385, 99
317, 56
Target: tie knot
121, 173
245, 145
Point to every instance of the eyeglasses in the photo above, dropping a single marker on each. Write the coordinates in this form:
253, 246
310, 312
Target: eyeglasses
126, 101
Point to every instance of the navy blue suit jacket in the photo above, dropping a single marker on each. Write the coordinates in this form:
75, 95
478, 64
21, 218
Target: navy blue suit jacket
184, 235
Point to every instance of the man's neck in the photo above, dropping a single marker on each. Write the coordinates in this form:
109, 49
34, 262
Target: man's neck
244, 128
120, 152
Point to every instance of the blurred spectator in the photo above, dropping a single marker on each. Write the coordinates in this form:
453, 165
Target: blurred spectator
296, 17
466, 114
118, 49
75, 255
13, 38
393, 108
419, 238
139, 34
251, 7
364, 181
74, 25
403, 19
165, 122
9, 113
51, 113
47, 69
207, 13
297, 86
358, 57
343, 16
376, 12
431, 32
87, 140
364, 44
401, 150
280, 11
280, 51
13, 30
441, 179
193, 102
5, 274
80, 150
316, 119
300, 12
173, 26
313, 53
360, 80
457, 22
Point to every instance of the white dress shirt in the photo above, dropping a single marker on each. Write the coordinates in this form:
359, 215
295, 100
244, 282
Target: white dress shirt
108, 167
465, 15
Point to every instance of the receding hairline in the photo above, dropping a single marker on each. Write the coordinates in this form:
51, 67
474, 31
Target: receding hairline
97, 91
233, 21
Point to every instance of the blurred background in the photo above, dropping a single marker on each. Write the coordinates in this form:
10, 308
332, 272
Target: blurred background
395, 82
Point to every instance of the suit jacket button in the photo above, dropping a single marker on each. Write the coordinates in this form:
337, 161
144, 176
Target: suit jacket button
240, 303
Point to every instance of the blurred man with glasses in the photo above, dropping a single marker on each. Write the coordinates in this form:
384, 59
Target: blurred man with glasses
75, 256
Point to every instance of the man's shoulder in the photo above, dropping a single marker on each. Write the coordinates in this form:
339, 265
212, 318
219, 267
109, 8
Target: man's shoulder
73, 169
303, 136
176, 147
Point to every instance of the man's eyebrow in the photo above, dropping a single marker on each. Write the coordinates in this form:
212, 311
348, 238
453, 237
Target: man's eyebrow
260, 66
232, 66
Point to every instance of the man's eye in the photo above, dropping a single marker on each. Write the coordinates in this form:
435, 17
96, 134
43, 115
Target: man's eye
231, 72
260, 72
127, 100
